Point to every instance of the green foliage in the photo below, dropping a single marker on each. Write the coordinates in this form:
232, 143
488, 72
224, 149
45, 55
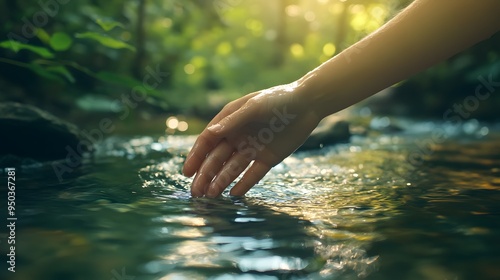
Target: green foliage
212, 50
60, 41
17, 46
62, 71
55, 66
43, 36
105, 40
48, 73
122, 80
108, 24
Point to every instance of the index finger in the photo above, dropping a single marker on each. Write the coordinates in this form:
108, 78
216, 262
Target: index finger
205, 142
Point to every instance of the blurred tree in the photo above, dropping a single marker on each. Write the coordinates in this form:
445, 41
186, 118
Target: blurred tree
140, 58
281, 31
212, 50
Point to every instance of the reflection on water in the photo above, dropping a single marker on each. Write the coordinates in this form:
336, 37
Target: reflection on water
358, 210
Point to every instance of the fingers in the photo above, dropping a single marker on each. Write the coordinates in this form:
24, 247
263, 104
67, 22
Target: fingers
203, 145
251, 177
230, 171
237, 119
231, 108
210, 167
233, 116
209, 138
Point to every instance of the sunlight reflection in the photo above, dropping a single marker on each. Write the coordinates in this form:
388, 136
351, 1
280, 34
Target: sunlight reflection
341, 192
271, 263
191, 253
233, 243
187, 221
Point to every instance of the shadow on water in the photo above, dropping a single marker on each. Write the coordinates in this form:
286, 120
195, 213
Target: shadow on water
358, 210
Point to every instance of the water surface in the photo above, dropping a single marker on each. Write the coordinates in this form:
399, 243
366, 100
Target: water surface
357, 210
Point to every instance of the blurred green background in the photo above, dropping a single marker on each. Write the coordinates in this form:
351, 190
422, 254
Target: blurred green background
85, 59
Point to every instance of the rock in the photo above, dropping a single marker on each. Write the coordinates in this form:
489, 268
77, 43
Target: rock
29, 133
329, 132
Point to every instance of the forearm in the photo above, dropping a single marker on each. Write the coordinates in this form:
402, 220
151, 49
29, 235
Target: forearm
425, 33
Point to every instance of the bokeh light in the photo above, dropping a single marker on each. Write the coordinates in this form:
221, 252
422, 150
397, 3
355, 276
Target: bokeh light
172, 122
176, 123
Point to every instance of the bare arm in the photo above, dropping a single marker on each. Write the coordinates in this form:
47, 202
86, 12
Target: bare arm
426, 32
262, 128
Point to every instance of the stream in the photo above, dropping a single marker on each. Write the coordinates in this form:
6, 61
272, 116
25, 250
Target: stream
383, 207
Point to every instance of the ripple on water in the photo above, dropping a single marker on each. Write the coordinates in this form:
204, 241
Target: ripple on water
341, 212
340, 197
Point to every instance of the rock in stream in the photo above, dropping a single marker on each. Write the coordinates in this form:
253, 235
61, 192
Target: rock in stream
30, 134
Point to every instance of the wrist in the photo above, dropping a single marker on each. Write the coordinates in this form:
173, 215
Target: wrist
315, 95
332, 86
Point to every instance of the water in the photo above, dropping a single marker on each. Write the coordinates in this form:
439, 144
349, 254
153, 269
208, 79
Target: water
357, 210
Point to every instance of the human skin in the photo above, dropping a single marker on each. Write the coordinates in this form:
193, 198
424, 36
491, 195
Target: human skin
426, 32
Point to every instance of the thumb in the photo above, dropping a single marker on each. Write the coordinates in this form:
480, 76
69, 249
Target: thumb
231, 123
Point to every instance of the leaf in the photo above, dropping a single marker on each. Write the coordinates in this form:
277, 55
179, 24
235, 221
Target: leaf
118, 79
60, 41
38, 69
108, 24
62, 71
125, 81
17, 46
43, 35
105, 40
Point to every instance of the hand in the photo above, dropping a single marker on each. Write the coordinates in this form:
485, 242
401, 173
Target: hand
260, 129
